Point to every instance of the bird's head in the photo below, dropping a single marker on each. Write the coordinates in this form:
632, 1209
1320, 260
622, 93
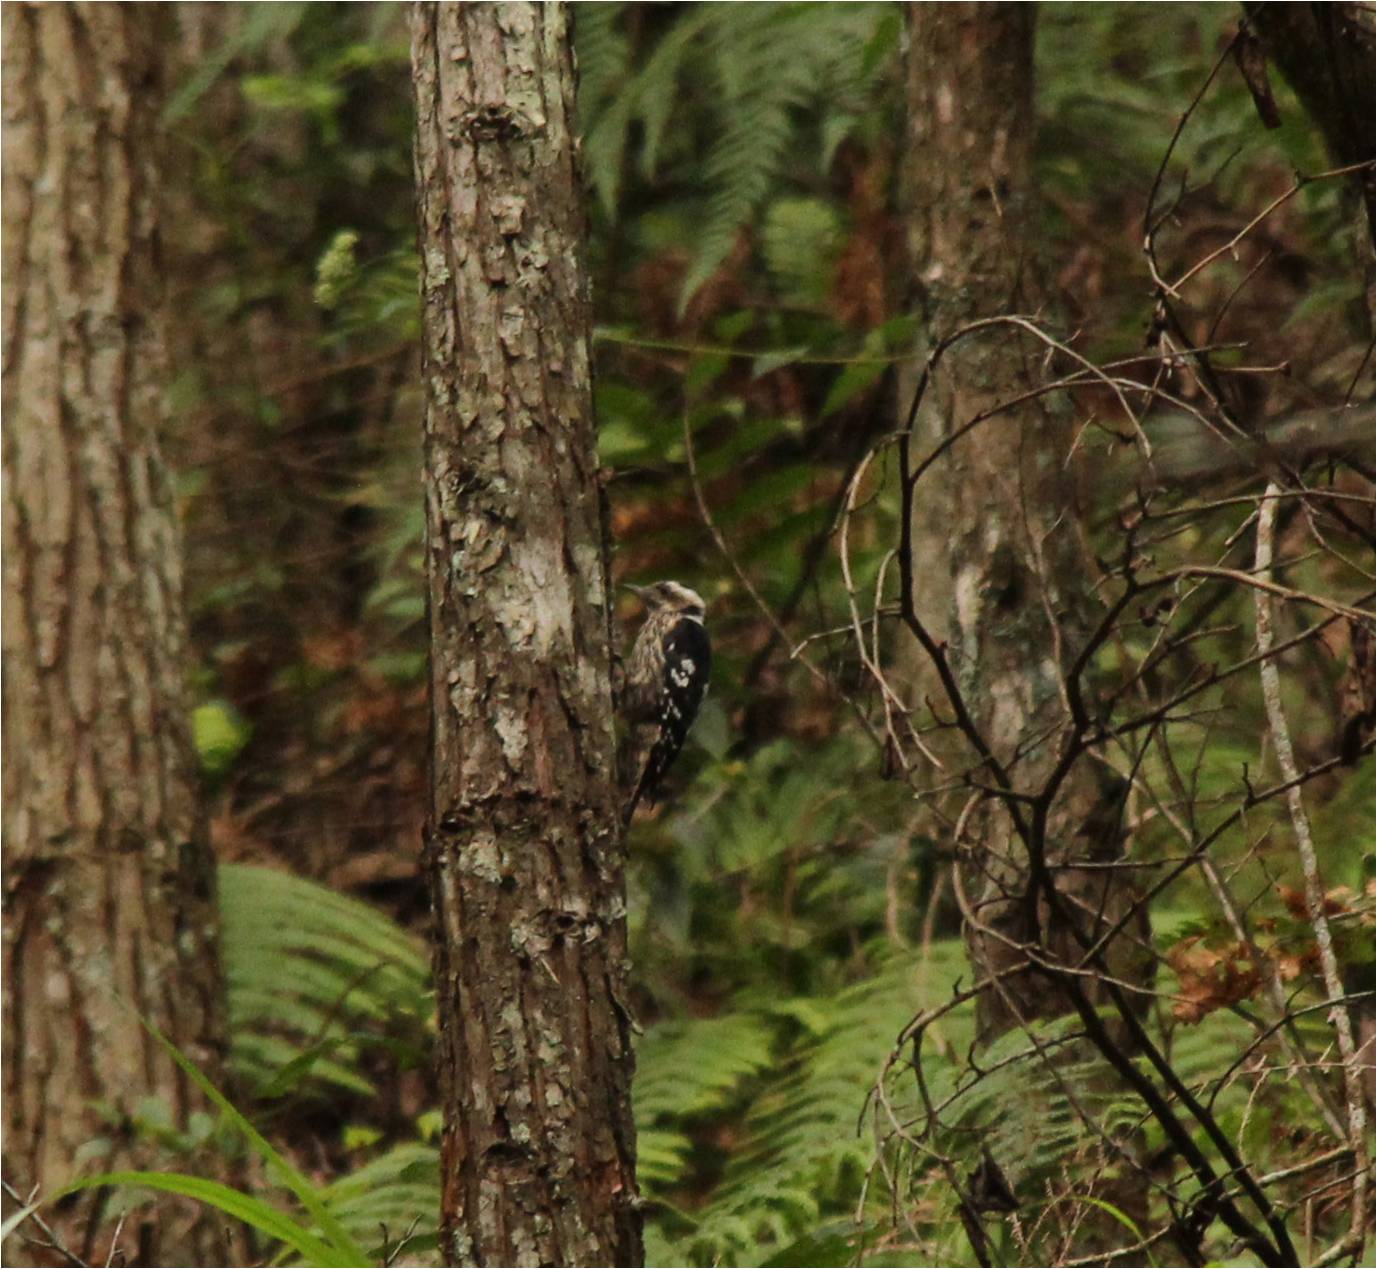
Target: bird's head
672, 597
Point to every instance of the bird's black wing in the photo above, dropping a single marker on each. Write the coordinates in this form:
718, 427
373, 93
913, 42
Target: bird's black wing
688, 665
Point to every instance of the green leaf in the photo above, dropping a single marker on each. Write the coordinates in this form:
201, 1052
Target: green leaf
16, 1219
278, 1167
337, 268
292, 92
848, 385
661, 1157
244, 1207
261, 24
220, 733
361, 1136
394, 1189
430, 1124
771, 361
800, 240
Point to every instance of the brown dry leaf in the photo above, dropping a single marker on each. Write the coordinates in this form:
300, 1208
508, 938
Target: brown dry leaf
383, 711
1209, 978
332, 650
1291, 965
1294, 901
1337, 902
1340, 899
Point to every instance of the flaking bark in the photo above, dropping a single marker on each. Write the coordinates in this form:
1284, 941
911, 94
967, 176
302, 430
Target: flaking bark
523, 847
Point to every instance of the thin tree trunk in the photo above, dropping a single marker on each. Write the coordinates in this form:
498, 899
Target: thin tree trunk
522, 846
998, 568
997, 576
109, 896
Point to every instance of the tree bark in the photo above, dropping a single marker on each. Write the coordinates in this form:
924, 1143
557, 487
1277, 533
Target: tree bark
523, 847
997, 577
998, 572
109, 896
1326, 53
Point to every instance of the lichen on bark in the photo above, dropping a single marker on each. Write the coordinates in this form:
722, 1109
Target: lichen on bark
523, 846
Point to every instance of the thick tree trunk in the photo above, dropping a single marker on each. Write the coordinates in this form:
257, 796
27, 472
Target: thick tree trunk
523, 846
1326, 53
109, 897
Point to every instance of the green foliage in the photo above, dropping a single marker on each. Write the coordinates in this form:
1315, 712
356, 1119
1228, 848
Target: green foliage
262, 26
310, 972
786, 1080
234, 1203
220, 733
367, 302
694, 1066
761, 107
799, 236
1032, 1112
761, 881
747, 283
804, 1147
337, 268
314, 979
327, 1244
398, 1191
278, 1168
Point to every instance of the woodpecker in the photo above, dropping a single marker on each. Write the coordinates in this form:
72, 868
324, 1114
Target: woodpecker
666, 680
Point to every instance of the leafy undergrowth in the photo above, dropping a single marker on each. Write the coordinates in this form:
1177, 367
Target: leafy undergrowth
767, 1134
752, 1138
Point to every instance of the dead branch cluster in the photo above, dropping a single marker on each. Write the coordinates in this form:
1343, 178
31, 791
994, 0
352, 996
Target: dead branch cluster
1234, 545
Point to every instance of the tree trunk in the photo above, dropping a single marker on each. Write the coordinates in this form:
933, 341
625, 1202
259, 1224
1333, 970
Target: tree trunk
997, 566
109, 896
522, 846
996, 575
1325, 52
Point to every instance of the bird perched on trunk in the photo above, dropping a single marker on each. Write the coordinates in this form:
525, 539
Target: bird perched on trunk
666, 680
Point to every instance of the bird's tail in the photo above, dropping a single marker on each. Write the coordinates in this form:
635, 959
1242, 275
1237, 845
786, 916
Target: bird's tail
629, 809
641, 749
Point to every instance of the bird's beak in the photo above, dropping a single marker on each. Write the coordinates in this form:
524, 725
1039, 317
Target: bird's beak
638, 591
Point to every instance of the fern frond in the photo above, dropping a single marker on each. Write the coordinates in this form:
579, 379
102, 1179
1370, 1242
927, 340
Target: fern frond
395, 1190
769, 69
771, 62
311, 976
690, 1068
804, 1151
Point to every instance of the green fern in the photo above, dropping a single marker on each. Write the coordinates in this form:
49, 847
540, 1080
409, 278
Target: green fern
312, 977
1022, 1105
772, 70
691, 1068
805, 1145
398, 1192
771, 63
686, 1070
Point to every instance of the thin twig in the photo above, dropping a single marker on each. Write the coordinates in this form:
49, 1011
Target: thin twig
1339, 1015
54, 1243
